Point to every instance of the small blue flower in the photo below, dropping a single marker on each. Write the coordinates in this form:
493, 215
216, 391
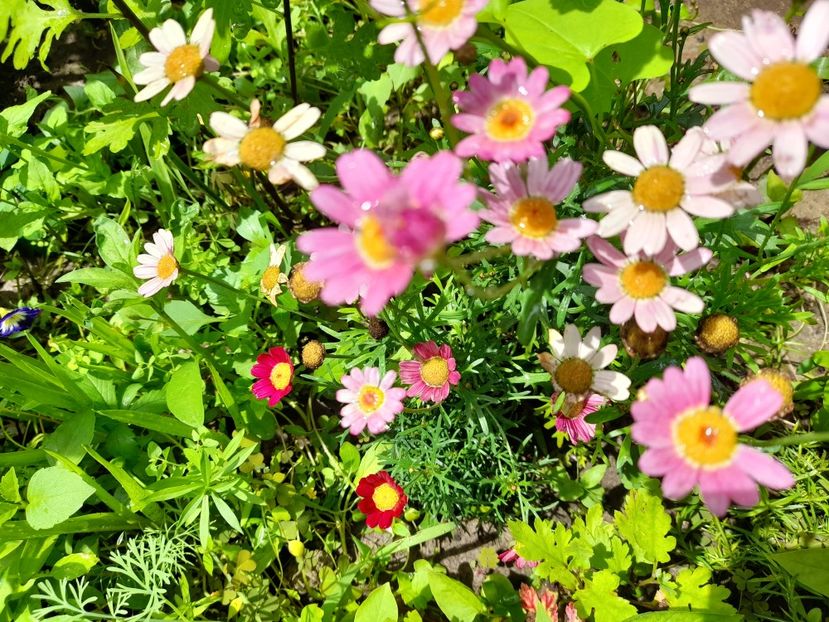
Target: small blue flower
17, 320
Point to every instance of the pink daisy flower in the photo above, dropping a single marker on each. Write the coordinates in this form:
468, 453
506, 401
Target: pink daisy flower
158, 266
639, 286
510, 114
369, 401
274, 371
431, 374
570, 417
176, 61
523, 209
510, 556
443, 24
690, 442
670, 187
389, 225
783, 103
729, 177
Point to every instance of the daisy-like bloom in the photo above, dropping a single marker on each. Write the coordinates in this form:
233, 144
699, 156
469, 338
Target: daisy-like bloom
268, 149
431, 374
510, 556
670, 187
782, 383
510, 114
524, 210
176, 61
640, 286
274, 371
382, 500
273, 278
443, 25
389, 225
301, 288
159, 264
717, 333
729, 177
578, 366
782, 102
570, 417
690, 442
17, 320
370, 402
645, 345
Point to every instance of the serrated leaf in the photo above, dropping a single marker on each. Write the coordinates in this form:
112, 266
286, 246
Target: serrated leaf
553, 548
809, 566
33, 29
599, 596
185, 392
54, 494
15, 119
380, 606
644, 524
691, 590
455, 600
114, 131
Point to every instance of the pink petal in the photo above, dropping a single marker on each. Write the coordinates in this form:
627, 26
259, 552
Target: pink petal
622, 310
648, 232
719, 93
690, 261
682, 300
753, 403
618, 220
657, 462
706, 207
650, 146
608, 201
763, 468
680, 481
732, 51
790, 149
336, 205
684, 152
814, 35
605, 252
731, 121
682, 229
817, 125
751, 143
364, 175
768, 36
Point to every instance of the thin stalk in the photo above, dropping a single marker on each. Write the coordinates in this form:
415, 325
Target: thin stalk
128, 13
219, 283
785, 204
441, 94
10, 140
289, 36
213, 83
796, 439
675, 66
587, 110
187, 172
478, 256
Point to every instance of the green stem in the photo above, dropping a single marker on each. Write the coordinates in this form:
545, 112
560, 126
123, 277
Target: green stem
785, 204
441, 94
587, 110
493, 293
9, 140
230, 96
796, 439
219, 283
128, 13
478, 256
188, 174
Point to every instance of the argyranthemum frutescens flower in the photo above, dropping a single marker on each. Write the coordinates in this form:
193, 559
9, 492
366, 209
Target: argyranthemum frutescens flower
640, 286
159, 264
509, 114
273, 278
389, 225
578, 366
176, 62
523, 208
443, 25
432, 373
274, 372
690, 442
669, 186
782, 103
382, 500
370, 402
272, 150
17, 320
570, 416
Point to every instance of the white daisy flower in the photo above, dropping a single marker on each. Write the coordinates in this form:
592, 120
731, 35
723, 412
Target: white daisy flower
176, 62
577, 366
159, 265
274, 278
264, 148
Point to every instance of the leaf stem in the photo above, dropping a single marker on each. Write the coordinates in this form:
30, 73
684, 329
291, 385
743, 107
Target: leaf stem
785, 204
441, 94
796, 439
289, 37
128, 13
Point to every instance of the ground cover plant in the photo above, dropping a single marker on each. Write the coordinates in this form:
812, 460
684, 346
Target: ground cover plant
297, 294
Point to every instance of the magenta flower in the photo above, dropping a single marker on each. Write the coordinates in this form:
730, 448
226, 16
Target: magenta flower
783, 103
370, 402
510, 556
510, 114
670, 187
389, 225
275, 373
640, 285
570, 417
443, 24
523, 208
432, 373
690, 442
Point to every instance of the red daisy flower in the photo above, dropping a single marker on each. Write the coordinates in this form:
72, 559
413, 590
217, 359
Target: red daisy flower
432, 373
275, 372
383, 500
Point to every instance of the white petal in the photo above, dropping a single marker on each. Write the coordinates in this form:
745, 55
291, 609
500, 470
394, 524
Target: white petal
650, 146
300, 173
150, 74
304, 150
814, 32
572, 340
228, 126
556, 342
297, 121
623, 163
151, 90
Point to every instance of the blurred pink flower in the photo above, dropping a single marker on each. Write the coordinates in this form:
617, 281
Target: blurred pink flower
370, 402
432, 373
571, 414
511, 557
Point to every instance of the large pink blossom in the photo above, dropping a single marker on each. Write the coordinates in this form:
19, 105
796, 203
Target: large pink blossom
388, 225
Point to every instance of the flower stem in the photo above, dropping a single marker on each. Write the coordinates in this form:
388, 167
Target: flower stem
785, 204
478, 256
797, 439
219, 283
128, 13
441, 94
229, 95
289, 37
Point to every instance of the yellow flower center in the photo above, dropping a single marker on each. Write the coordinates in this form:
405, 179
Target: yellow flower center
643, 279
370, 399
659, 189
574, 410
182, 62
534, 217
261, 147
303, 289
439, 12
786, 91
435, 371
373, 245
271, 277
781, 383
166, 266
281, 375
717, 333
705, 437
385, 497
574, 376
510, 119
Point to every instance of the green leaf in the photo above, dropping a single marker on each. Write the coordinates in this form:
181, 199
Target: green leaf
692, 591
114, 245
226, 513
54, 494
311, 613
7, 511
185, 392
114, 132
455, 600
569, 34
683, 615
809, 566
350, 457
29, 24
74, 565
9, 487
599, 596
99, 278
70, 437
187, 316
553, 548
380, 606
14, 120
645, 524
